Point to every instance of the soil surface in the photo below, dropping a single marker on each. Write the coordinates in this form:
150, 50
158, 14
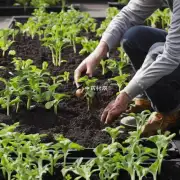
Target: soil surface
73, 120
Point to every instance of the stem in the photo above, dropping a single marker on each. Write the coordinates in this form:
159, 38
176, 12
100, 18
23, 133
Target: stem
9, 175
17, 107
103, 70
74, 46
88, 103
133, 175
8, 102
3, 53
154, 176
65, 156
40, 168
60, 58
55, 109
53, 59
28, 102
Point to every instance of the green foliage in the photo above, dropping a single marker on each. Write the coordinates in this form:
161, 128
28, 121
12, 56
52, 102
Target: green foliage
123, 56
123, 1
88, 46
121, 80
58, 31
5, 41
31, 159
111, 13
23, 3
45, 3
129, 155
113, 65
89, 86
160, 18
32, 83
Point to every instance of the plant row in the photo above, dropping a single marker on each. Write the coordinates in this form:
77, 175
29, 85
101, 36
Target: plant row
25, 157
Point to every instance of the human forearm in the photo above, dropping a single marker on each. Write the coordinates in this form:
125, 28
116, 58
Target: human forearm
133, 14
165, 63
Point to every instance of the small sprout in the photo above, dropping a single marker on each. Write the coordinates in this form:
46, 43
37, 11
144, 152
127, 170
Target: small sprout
114, 132
120, 80
89, 86
12, 52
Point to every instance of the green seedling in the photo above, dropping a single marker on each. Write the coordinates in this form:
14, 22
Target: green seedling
6, 99
103, 63
57, 99
125, 2
81, 170
65, 77
162, 142
23, 3
141, 118
46, 3
114, 132
72, 34
65, 145
111, 13
88, 46
123, 56
5, 42
120, 80
154, 19
89, 86
54, 39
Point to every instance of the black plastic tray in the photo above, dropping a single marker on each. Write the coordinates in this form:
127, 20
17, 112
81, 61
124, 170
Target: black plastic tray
19, 11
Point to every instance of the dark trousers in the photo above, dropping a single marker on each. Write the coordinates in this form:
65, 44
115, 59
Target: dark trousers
164, 94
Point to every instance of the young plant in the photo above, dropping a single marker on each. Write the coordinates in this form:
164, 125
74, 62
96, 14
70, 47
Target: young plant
72, 35
89, 86
111, 13
54, 39
23, 3
154, 19
88, 46
120, 80
57, 99
161, 142
46, 3
103, 64
5, 42
81, 170
6, 96
65, 77
123, 56
65, 145
114, 132
30, 28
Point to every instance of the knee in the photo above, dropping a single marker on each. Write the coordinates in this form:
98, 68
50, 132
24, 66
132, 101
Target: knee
131, 35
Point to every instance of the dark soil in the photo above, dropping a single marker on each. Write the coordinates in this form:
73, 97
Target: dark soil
74, 121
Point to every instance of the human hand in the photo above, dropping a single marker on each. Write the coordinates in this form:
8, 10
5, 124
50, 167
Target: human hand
115, 108
89, 64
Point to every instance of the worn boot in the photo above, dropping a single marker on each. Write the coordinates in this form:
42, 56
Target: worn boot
141, 103
158, 121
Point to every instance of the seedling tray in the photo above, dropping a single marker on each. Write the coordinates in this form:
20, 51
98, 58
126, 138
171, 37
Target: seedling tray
87, 154
18, 11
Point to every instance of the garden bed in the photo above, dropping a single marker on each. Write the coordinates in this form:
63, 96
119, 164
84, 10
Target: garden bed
73, 119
